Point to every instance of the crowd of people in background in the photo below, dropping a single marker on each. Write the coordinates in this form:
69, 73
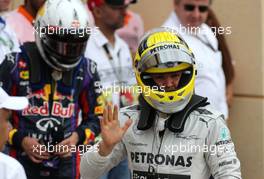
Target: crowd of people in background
69, 79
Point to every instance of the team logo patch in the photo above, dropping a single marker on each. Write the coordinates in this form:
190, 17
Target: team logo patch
24, 75
47, 123
22, 64
98, 110
224, 133
147, 175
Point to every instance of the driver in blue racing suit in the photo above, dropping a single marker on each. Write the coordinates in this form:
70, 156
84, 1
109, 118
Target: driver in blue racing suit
59, 83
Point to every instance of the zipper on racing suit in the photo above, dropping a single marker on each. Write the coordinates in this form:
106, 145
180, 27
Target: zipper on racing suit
158, 137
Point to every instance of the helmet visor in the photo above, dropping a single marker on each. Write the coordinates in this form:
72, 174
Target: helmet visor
66, 45
186, 76
168, 56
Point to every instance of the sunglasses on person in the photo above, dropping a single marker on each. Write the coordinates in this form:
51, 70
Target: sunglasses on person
191, 7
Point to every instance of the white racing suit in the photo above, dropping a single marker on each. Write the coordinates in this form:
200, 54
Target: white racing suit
203, 148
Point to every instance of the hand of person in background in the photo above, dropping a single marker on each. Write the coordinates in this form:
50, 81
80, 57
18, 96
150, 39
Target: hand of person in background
65, 146
34, 150
229, 94
111, 131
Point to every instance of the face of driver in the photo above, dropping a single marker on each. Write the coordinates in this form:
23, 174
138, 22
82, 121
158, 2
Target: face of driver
168, 81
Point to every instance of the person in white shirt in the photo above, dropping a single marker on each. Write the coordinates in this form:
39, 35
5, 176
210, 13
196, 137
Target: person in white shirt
113, 59
108, 50
9, 167
188, 19
132, 31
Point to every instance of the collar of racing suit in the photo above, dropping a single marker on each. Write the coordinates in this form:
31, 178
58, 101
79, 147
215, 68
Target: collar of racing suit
176, 121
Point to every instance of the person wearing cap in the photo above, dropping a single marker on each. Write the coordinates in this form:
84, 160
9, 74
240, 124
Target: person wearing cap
48, 136
132, 30
108, 50
113, 59
172, 133
9, 167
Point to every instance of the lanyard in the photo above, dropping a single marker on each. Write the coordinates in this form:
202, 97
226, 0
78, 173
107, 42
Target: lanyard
117, 70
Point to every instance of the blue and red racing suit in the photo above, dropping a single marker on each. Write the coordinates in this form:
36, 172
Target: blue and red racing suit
53, 113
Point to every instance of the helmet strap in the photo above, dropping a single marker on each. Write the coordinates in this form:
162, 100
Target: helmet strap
147, 114
176, 121
34, 59
35, 65
67, 77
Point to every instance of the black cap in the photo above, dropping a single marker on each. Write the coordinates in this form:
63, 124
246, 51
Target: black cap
120, 2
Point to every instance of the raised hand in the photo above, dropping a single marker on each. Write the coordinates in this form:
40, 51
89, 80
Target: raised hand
111, 132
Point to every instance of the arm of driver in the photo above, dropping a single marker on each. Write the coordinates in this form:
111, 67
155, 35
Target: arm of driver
93, 165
